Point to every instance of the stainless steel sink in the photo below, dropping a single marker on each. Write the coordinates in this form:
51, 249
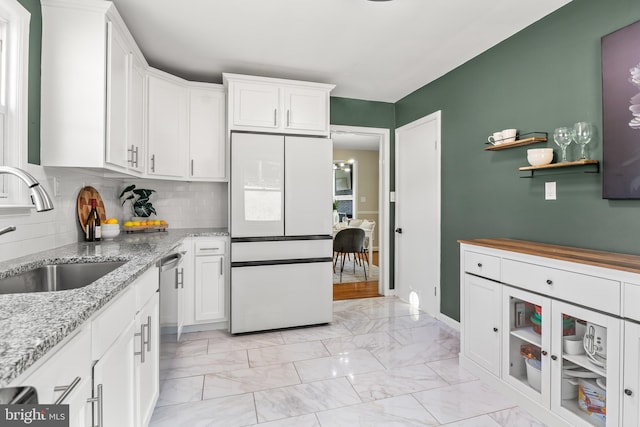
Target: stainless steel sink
57, 277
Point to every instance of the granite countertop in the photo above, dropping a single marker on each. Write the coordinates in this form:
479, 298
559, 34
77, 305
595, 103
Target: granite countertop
32, 323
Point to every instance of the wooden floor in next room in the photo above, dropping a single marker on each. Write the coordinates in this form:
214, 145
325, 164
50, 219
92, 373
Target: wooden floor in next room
353, 290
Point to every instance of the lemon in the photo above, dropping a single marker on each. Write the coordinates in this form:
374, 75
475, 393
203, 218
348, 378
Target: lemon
111, 221
136, 223
156, 222
128, 224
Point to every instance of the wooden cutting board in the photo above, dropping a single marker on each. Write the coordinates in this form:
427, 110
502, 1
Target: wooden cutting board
84, 205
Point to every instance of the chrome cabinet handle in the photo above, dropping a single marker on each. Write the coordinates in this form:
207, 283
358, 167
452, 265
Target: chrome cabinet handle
130, 150
544, 352
495, 329
221, 259
554, 357
191, 167
180, 278
98, 400
549, 282
275, 117
628, 392
479, 265
142, 343
148, 342
209, 249
136, 154
288, 116
65, 389
153, 163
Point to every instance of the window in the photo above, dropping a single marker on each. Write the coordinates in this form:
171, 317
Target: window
14, 51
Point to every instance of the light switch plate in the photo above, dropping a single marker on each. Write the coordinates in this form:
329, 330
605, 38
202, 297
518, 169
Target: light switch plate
550, 191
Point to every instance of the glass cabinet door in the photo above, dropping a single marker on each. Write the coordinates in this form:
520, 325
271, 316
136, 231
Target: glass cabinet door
527, 342
585, 364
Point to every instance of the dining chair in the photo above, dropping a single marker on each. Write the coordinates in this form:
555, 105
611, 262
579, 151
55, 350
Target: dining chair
349, 241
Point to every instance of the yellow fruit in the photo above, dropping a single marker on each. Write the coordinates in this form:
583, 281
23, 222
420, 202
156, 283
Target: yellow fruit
136, 223
128, 224
156, 222
163, 222
112, 221
143, 223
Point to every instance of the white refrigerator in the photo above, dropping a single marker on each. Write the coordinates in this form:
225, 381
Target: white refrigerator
281, 240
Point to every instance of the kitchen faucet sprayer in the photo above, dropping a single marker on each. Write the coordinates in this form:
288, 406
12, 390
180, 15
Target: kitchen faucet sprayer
39, 196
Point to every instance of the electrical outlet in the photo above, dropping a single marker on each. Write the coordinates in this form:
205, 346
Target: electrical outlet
550, 191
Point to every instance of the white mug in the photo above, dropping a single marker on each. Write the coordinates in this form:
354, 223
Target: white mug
496, 138
509, 135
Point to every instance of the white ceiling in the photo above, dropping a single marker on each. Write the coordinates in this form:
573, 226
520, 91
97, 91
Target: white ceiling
377, 51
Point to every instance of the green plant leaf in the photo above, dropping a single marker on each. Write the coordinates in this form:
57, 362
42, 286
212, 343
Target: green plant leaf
143, 193
126, 190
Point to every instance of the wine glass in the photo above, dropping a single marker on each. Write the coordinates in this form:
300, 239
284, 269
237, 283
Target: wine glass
581, 134
562, 136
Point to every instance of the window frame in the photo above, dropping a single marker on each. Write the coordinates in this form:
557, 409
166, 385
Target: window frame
15, 54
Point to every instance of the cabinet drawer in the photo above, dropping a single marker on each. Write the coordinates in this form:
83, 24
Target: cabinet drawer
146, 286
631, 308
589, 291
71, 361
109, 324
482, 265
209, 246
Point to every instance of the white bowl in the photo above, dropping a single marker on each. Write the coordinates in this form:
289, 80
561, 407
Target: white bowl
109, 231
539, 156
573, 344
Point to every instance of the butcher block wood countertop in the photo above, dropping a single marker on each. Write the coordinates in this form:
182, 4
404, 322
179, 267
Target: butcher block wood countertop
612, 260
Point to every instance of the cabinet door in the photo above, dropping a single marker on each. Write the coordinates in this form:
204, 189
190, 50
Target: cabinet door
526, 332
167, 128
306, 109
147, 378
206, 133
482, 317
209, 288
118, 70
255, 105
600, 377
135, 147
114, 384
308, 189
631, 386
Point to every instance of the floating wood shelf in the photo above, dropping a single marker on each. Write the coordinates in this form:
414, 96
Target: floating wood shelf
517, 143
532, 169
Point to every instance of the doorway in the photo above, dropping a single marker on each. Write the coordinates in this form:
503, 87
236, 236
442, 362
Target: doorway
354, 138
417, 237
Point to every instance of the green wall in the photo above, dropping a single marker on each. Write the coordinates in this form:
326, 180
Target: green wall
546, 76
35, 46
355, 112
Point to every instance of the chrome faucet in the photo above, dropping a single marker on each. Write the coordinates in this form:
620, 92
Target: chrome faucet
39, 196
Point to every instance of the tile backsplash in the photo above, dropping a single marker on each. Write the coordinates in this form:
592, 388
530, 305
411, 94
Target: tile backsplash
181, 204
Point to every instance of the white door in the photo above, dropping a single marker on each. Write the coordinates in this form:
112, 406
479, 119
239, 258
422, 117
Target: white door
136, 117
256, 105
147, 381
631, 380
257, 185
308, 197
417, 255
209, 288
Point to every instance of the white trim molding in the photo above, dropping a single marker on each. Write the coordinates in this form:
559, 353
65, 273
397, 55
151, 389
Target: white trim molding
383, 199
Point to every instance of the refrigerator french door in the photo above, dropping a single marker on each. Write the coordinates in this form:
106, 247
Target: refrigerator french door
281, 242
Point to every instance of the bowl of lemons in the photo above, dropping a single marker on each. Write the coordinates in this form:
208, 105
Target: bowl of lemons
110, 229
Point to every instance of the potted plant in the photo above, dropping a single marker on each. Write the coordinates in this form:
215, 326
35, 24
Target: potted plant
139, 198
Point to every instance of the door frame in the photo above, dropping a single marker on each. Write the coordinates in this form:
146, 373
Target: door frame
437, 116
384, 186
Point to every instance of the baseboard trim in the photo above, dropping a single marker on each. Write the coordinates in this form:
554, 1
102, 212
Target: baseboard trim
448, 321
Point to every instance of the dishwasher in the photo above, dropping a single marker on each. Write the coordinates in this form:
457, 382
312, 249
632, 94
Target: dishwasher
171, 290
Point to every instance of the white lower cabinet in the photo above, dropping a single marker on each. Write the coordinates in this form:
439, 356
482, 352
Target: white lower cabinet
147, 361
114, 385
482, 311
565, 350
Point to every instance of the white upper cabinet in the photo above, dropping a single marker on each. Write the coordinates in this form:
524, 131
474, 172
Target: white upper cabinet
136, 144
207, 142
86, 112
167, 130
278, 106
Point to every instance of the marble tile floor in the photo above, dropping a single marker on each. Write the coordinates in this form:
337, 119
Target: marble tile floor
380, 363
